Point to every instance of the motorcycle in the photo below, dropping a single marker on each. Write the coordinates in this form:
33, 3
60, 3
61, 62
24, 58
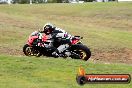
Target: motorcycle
45, 46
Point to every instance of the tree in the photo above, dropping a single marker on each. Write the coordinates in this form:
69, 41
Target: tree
21, 1
37, 1
59, 1
26, 1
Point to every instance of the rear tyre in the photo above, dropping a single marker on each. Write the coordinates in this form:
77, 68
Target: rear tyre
82, 51
30, 51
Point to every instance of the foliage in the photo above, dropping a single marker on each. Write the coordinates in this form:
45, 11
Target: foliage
28, 1
36, 1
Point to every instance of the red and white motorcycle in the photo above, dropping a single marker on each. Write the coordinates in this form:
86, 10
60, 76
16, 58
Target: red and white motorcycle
37, 47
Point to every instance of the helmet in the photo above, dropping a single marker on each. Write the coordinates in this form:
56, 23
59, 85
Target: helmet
48, 28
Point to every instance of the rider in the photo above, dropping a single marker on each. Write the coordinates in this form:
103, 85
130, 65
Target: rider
57, 34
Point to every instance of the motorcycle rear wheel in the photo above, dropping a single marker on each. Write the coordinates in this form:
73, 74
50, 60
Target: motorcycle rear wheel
82, 51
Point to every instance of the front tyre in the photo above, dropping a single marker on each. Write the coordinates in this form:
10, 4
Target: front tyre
30, 51
82, 51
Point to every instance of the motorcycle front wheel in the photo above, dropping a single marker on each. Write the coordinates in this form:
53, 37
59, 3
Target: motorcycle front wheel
30, 51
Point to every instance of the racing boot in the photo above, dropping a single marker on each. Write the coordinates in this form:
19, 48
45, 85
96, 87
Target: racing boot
62, 48
55, 54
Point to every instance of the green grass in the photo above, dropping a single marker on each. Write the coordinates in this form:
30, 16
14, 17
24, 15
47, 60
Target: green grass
106, 28
27, 72
96, 22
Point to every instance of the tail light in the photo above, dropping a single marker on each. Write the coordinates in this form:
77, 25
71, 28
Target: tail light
75, 41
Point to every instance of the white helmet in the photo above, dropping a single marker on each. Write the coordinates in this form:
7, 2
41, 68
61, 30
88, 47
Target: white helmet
48, 28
